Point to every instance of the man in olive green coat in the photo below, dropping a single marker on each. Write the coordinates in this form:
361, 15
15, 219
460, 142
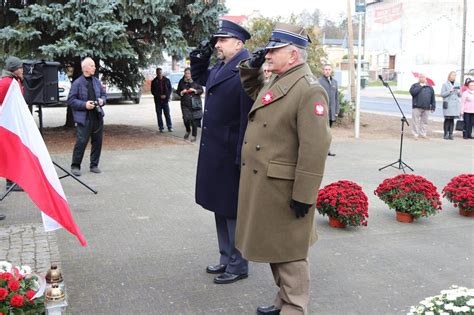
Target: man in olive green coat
283, 157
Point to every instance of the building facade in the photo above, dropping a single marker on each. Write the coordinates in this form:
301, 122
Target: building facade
417, 36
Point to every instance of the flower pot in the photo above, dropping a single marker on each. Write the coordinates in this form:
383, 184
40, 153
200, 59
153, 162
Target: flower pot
404, 217
334, 222
466, 213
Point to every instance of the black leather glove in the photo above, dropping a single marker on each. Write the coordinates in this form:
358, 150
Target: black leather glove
204, 50
258, 58
300, 209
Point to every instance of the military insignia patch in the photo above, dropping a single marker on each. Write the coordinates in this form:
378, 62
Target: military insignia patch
267, 98
319, 109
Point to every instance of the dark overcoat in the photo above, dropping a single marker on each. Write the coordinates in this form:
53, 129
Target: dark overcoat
189, 113
331, 90
223, 127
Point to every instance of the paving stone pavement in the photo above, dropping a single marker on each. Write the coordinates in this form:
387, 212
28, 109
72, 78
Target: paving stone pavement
29, 244
149, 242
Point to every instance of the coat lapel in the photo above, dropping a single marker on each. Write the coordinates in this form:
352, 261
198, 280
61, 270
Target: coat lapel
276, 90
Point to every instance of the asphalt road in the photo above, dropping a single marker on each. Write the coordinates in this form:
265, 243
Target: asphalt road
388, 105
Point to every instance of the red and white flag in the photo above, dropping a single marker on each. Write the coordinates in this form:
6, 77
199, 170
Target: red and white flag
25, 160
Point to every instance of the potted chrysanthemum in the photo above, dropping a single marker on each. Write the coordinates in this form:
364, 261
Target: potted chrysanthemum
344, 202
456, 300
412, 196
460, 191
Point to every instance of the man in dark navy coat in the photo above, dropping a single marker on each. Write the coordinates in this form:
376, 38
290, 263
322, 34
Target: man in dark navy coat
224, 123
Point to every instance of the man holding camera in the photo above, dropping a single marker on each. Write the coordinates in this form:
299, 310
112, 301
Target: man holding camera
86, 98
223, 128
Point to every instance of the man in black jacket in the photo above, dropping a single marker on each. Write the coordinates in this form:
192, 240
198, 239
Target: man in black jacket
161, 90
423, 101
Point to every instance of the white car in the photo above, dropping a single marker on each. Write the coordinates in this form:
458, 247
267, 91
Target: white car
64, 85
114, 93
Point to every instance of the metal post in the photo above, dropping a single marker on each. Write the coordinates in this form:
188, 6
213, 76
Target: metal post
359, 65
463, 48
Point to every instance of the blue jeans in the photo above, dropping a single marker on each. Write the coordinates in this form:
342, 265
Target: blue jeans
164, 107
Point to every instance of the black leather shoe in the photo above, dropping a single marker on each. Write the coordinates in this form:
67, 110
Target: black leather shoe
331, 154
268, 310
216, 269
2, 217
226, 278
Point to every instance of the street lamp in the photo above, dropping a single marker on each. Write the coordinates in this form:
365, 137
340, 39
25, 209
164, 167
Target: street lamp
360, 10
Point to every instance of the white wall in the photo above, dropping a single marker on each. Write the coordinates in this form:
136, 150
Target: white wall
424, 35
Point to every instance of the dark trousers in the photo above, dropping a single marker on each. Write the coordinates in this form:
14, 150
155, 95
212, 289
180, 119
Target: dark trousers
468, 122
163, 107
448, 126
230, 256
191, 124
93, 129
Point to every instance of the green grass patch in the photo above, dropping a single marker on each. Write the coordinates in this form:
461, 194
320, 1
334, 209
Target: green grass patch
379, 83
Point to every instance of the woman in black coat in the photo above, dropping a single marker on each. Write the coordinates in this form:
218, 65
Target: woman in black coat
191, 104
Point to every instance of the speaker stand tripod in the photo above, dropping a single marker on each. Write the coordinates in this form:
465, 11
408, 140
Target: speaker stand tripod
398, 164
67, 173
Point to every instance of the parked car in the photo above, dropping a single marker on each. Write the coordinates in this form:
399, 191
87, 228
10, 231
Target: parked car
116, 94
64, 86
174, 78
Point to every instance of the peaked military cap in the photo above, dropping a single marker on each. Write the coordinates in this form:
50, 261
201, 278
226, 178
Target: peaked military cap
231, 29
286, 34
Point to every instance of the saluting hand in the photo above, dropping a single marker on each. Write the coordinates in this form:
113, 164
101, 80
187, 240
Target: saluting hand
258, 58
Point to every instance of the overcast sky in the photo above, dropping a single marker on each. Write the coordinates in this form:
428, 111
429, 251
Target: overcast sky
331, 9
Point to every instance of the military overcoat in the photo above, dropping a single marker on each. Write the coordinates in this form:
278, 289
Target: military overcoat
224, 122
283, 158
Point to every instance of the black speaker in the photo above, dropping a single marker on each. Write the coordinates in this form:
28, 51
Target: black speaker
40, 82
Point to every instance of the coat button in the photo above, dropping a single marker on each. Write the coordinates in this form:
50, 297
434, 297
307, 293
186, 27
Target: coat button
243, 163
210, 93
264, 124
205, 128
245, 142
258, 147
251, 119
255, 171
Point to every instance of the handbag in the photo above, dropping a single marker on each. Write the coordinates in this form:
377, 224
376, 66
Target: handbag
460, 125
445, 104
196, 103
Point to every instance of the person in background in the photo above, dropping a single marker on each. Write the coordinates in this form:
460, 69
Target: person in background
464, 87
13, 71
161, 90
451, 104
330, 85
423, 101
467, 110
223, 127
266, 73
191, 104
86, 98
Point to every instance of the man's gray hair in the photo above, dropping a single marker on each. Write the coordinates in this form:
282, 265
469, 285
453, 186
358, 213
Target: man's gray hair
303, 54
85, 61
